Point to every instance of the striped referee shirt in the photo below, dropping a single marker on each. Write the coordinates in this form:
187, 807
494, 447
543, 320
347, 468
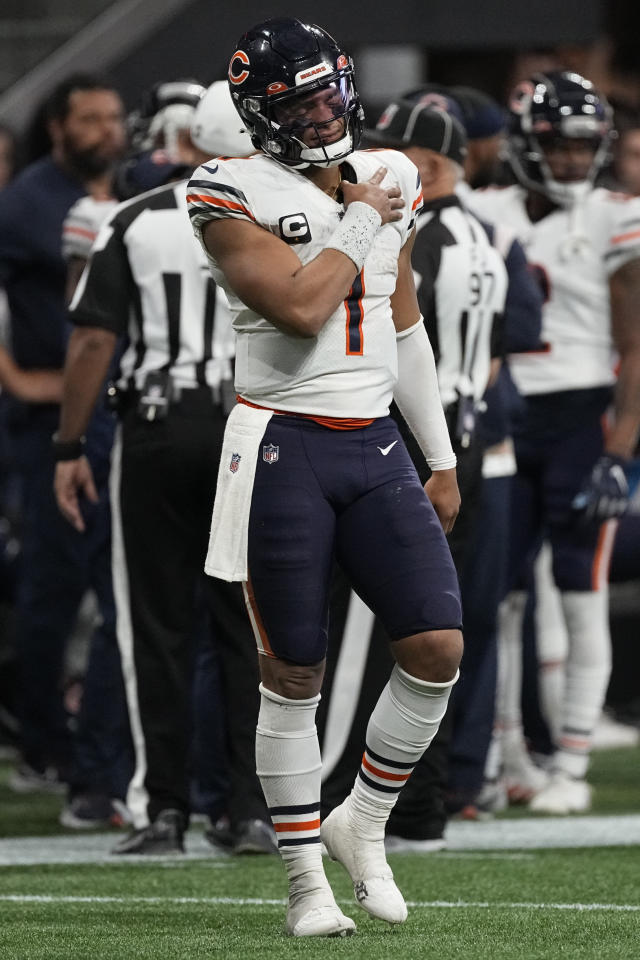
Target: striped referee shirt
461, 281
148, 279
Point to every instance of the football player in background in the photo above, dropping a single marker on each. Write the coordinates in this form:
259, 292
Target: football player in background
570, 480
312, 241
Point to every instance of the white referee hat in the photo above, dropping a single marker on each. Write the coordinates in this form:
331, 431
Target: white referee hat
216, 127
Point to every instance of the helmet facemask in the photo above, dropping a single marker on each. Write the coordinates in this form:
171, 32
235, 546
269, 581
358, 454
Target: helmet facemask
532, 168
541, 115
299, 128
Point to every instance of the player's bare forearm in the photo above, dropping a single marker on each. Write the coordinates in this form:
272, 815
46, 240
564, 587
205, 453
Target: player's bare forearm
624, 288
442, 490
622, 438
88, 357
32, 386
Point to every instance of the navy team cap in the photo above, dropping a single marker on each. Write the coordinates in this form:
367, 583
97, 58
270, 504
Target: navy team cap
405, 124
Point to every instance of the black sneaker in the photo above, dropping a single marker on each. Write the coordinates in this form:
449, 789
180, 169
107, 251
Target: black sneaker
88, 811
164, 835
255, 836
26, 779
219, 834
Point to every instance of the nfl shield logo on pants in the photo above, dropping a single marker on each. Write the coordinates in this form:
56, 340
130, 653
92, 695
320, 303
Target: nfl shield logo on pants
235, 462
270, 453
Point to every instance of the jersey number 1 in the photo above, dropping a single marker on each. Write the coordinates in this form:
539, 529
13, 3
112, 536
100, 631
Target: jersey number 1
355, 316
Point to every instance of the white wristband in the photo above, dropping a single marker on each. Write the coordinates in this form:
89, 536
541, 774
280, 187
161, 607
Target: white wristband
356, 232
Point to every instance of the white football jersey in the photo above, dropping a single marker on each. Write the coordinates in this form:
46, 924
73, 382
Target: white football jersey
82, 224
350, 368
576, 251
148, 281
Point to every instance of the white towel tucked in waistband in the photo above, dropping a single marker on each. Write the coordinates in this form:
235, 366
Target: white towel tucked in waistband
227, 552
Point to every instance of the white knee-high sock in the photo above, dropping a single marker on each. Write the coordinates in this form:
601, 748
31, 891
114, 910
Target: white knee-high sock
288, 766
552, 642
587, 676
509, 686
402, 725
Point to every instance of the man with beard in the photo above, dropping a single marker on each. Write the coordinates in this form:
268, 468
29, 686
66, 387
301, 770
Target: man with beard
85, 122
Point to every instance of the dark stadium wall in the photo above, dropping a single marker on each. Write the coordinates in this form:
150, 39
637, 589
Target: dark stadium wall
199, 41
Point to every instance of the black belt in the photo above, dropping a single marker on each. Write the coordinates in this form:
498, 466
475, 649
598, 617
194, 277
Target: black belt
186, 398
188, 401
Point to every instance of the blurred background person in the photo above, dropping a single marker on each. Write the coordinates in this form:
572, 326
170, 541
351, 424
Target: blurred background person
173, 389
570, 480
461, 283
8, 155
85, 122
626, 153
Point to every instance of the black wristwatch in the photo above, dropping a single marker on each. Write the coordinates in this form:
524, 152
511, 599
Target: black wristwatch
67, 449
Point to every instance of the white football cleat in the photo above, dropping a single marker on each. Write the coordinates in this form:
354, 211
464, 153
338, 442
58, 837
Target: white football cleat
365, 862
316, 914
563, 795
522, 778
609, 734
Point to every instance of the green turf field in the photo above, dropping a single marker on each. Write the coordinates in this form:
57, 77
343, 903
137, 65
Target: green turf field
526, 903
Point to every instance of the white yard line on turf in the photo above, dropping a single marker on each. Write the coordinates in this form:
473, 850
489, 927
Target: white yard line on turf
260, 902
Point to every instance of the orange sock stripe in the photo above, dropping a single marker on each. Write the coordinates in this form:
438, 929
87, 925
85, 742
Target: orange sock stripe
299, 825
398, 777
575, 743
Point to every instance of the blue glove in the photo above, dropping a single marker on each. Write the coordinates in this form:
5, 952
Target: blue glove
605, 493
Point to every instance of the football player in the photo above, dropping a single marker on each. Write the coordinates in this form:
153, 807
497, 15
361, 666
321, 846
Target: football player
312, 241
585, 244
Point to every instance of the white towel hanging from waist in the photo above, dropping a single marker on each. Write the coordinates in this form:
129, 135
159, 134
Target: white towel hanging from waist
228, 539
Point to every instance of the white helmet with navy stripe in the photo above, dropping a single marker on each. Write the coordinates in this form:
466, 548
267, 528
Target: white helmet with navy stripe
216, 128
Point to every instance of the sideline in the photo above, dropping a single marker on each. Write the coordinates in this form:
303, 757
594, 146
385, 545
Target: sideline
531, 833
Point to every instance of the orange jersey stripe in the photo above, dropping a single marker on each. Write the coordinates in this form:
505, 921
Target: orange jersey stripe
302, 825
417, 200
91, 234
626, 236
228, 204
334, 423
399, 777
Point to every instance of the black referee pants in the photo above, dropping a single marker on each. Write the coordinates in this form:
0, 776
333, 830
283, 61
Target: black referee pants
163, 485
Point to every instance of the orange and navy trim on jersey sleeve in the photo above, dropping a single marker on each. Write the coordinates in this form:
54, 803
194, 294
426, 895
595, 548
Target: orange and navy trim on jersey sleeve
418, 202
627, 238
296, 825
333, 423
624, 237
220, 200
80, 232
379, 773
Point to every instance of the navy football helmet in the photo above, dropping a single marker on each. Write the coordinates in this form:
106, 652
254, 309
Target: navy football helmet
281, 70
559, 104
